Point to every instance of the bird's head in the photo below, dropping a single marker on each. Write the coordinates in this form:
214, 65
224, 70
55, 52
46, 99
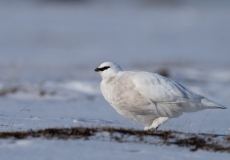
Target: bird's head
108, 70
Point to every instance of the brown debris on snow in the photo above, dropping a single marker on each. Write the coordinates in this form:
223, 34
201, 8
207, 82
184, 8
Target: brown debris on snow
194, 142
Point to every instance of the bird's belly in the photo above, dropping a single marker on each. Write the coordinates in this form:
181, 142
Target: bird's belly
134, 107
129, 103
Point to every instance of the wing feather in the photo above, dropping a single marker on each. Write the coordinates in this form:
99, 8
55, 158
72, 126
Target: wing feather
160, 89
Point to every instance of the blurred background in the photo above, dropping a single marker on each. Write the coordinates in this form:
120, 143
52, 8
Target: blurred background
55, 34
50, 48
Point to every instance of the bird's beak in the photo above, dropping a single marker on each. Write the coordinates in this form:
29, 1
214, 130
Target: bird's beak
97, 70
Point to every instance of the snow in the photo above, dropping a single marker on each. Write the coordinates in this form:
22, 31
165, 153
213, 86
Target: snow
49, 52
53, 149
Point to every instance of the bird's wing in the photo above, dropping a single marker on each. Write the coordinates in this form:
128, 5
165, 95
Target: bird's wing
160, 89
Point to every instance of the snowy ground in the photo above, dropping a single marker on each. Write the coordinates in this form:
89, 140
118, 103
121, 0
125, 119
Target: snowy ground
59, 149
49, 52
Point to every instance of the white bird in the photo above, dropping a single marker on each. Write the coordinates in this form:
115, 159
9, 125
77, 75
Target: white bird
148, 98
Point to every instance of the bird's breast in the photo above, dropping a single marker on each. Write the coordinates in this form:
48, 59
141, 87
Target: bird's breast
123, 97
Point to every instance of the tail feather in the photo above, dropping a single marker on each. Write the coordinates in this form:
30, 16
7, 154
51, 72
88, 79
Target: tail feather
210, 104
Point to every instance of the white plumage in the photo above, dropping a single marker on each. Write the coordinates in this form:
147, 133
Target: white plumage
148, 98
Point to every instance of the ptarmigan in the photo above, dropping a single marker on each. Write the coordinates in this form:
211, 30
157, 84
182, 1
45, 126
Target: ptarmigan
148, 98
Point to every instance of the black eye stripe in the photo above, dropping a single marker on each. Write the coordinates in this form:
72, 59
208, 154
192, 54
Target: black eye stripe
103, 68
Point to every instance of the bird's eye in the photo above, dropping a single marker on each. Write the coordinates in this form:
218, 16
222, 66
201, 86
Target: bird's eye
104, 68
101, 69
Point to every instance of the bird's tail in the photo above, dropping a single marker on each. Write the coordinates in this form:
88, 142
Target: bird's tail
210, 104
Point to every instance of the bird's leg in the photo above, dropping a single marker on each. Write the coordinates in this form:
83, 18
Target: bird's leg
148, 129
157, 122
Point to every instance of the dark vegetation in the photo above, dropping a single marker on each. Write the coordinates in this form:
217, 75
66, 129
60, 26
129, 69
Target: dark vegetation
194, 142
14, 90
164, 72
7, 91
